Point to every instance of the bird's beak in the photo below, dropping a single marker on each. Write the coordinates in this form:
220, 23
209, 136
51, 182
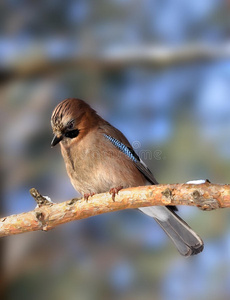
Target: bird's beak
56, 140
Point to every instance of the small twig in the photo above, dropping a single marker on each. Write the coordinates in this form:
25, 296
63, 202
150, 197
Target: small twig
41, 200
46, 215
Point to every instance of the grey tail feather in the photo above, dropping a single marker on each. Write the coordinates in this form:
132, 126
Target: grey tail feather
185, 239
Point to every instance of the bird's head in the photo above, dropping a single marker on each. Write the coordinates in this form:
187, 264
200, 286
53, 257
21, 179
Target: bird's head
70, 120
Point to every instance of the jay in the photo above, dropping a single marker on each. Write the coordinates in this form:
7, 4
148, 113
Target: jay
99, 158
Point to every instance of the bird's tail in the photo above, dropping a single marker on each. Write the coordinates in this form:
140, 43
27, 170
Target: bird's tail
185, 239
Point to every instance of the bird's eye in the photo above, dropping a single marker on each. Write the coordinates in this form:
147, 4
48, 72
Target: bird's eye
70, 126
72, 134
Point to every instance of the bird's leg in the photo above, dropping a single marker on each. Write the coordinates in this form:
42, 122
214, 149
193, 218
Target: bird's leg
86, 196
115, 191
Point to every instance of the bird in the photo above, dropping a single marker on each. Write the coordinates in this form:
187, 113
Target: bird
99, 158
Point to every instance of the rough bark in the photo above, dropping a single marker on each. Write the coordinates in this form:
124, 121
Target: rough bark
48, 215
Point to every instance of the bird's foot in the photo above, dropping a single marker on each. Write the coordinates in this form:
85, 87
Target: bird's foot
115, 191
86, 196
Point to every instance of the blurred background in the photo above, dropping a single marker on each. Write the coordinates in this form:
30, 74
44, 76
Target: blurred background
160, 72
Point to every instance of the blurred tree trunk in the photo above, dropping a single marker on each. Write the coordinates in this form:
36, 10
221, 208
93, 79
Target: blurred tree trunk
2, 252
2, 213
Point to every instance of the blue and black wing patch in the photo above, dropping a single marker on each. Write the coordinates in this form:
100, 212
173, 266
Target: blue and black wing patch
131, 154
126, 150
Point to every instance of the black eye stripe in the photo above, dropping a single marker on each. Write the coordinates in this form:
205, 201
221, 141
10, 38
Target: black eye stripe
72, 133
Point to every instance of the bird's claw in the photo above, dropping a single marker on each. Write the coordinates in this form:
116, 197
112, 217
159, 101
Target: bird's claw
86, 196
115, 191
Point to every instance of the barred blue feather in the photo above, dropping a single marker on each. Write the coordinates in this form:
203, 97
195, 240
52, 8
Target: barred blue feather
140, 165
123, 148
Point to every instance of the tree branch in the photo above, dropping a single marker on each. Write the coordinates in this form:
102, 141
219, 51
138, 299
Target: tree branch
48, 215
151, 55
